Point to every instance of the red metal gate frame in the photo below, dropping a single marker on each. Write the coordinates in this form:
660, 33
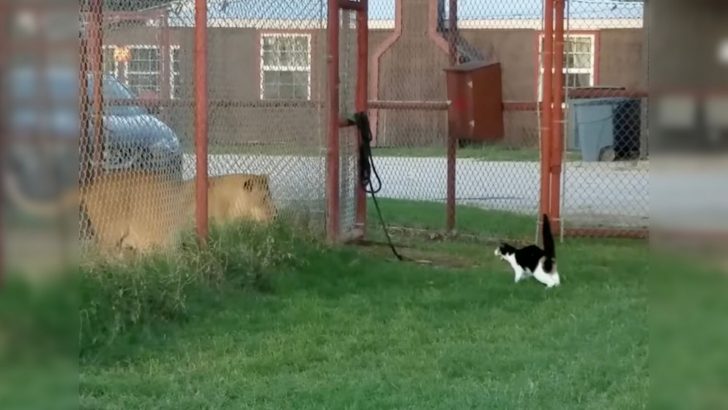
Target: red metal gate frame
334, 121
201, 125
546, 109
557, 127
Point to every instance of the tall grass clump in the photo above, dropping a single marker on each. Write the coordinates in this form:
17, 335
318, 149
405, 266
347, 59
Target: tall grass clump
124, 297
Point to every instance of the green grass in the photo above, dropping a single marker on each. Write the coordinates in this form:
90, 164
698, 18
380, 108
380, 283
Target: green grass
488, 152
471, 220
351, 328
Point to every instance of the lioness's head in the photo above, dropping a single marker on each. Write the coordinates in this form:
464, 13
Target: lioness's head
258, 199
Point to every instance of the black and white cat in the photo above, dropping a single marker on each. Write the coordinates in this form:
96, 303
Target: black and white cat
532, 260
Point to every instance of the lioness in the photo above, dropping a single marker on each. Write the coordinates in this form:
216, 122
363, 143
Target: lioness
144, 211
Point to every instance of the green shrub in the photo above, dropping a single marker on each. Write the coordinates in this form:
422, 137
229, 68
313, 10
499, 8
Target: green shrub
119, 298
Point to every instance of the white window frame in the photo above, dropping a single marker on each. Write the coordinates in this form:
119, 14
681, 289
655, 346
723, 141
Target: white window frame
132, 47
568, 70
294, 68
172, 73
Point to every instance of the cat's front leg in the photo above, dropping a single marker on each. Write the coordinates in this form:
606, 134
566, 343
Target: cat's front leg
518, 274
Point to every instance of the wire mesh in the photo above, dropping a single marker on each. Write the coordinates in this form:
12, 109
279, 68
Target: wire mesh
137, 125
348, 137
266, 109
267, 70
267, 105
412, 42
605, 179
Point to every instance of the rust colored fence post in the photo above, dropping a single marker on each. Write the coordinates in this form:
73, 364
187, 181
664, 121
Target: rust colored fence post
452, 139
557, 130
201, 126
546, 108
332, 153
452, 37
362, 100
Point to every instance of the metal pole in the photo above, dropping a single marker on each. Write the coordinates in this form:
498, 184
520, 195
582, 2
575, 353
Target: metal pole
362, 99
546, 99
452, 140
557, 130
201, 127
452, 29
332, 154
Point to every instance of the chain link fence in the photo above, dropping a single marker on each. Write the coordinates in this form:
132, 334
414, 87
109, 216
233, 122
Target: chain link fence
412, 43
266, 71
131, 149
267, 85
268, 88
348, 136
267, 110
605, 173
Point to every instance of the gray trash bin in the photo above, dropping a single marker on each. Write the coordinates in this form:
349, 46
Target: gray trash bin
604, 125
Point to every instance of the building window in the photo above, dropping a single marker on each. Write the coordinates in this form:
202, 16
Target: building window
142, 73
176, 76
285, 66
579, 61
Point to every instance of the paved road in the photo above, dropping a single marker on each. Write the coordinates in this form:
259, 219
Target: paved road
615, 194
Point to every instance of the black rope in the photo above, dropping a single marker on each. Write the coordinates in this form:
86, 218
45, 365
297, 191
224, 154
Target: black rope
367, 170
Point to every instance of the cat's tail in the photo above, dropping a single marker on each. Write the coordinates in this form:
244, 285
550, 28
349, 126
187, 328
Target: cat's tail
548, 244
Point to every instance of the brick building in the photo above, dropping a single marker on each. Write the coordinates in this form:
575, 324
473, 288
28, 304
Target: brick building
267, 67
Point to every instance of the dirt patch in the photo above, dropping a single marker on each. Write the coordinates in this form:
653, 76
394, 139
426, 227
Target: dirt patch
425, 257
438, 236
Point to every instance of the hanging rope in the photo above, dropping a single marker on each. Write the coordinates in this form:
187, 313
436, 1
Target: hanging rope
367, 170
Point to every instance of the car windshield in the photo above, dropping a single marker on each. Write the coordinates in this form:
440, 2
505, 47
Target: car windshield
63, 85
